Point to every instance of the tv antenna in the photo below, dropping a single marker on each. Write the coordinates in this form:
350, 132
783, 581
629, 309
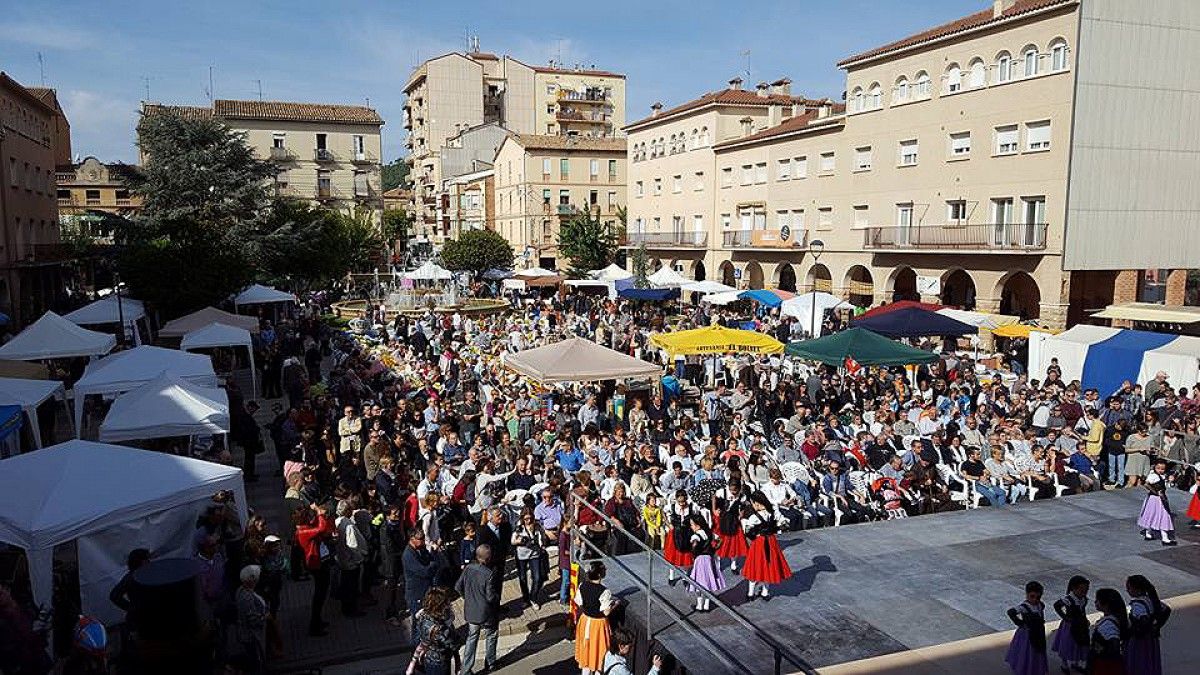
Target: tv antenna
746, 55
209, 90
42, 68
259, 83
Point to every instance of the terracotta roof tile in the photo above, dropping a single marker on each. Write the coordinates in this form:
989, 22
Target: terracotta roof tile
185, 111
572, 71
808, 119
544, 142
295, 112
729, 97
976, 20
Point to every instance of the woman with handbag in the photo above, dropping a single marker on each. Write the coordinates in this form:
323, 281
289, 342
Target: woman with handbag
530, 541
437, 643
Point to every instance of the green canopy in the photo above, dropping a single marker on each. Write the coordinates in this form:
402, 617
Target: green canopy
860, 344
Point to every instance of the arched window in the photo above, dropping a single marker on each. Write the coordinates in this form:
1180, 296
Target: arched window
1030, 55
858, 100
1058, 55
876, 96
695, 139
1003, 67
704, 141
901, 91
978, 76
953, 78
921, 86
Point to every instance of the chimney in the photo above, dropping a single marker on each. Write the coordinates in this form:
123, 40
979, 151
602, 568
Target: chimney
655, 108
761, 89
1001, 6
782, 86
735, 83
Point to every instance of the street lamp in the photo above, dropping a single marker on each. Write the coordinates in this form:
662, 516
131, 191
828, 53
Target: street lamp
815, 248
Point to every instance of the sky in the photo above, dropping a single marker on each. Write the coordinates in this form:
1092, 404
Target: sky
102, 57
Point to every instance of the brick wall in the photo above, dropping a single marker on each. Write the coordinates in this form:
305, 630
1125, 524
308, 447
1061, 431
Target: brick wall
1176, 287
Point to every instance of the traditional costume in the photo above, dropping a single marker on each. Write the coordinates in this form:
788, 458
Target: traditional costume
765, 563
1156, 513
706, 570
1193, 510
592, 631
1027, 651
729, 526
677, 548
1106, 656
1142, 653
1071, 638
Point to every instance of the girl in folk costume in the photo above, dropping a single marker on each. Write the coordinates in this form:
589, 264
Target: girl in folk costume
1147, 616
1071, 638
1156, 512
677, 548
1027, 651
1106, 656
1193, 510
706, 569
765, 563
592, 632
727, 511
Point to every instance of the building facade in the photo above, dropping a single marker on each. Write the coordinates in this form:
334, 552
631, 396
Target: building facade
472, 203
30, 259
541, 180
89, 192
950, 176
327, 154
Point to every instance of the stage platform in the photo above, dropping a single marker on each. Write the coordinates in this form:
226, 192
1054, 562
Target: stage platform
867, 590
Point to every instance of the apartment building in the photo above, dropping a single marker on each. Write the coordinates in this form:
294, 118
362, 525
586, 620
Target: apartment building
541, 180
328, 154
966, 169
88, 193
472, 204
30, 259
456, 92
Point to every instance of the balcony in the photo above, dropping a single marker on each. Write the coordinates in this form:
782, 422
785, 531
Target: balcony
783, 237
324, 155
63, 177
280, 154
575, 116
567, 210
364, 158
667, 239
327, 193
590, 96
984, 238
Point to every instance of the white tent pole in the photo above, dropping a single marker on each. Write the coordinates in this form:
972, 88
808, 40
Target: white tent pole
31, 415
253, 372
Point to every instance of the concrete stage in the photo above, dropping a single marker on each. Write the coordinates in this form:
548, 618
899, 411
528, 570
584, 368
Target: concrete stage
862, 591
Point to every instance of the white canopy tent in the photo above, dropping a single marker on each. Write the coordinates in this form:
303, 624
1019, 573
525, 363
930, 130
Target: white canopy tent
801, 308
981, 320
55, 337
261, 295
29, 394
667, 278
222, 335
613, 272
109, 499
164, 407
707, 286
429, 271
131, 369
204, 317
537, 272
111, 309
722, 298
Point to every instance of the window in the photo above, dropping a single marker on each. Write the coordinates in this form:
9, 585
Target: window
546, 196
862, 158
827, 162
800, 167
858, 99
657, 187
564, 168
677, 183
698, 181
324, 184
727, 177
747, 174
1003, 67
1037, 136
1030, 55
953, 79
908, 153
361, 187
901, 91
594, 168
760, 172
550, 89
92, 197
956, 211
612, 169
725, 221
360, 146
875, 97
593, 197
797, 219
862, 216
978, 75
639, 225
1152, 285
564, 197
698, 227
960, 144
1006, 139
921, 86
278, 140
783, 169
825, 218
545, 169
904, 221
639, 189
782, 220
1058, 56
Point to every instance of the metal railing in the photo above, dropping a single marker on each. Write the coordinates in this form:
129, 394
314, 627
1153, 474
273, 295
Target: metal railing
956, 237
783, 237
280, 154
682, 239
323, 155
780, 651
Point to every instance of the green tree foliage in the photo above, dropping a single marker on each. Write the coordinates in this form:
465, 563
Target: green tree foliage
395, 174
306, 246
587, 243
641, 267
395, 226
203, 193
477, 251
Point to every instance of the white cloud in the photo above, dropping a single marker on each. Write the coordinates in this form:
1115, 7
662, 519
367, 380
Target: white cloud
100, 125
47, 35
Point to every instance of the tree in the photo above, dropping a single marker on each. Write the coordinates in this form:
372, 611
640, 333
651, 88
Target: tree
307, 246
395, 227
588, 243
641, 267
395, 174
477, 251
203, 193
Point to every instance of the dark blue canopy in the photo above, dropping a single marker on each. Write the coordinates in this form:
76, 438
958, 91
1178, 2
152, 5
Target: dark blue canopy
649, 293
914, 322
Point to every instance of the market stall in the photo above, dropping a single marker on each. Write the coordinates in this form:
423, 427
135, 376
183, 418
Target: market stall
716, 340
30, 394
112, 310
809, 308
55, 337
861, 345
258, 294
913, 322
165, 407
1103, 358
131, 369
222, 335
579, 360
177, 328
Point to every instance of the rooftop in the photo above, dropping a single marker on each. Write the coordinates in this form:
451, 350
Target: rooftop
543, 142
807, 121
737, 97
577, 71
185, 111
296, 112
36, 95
977, 20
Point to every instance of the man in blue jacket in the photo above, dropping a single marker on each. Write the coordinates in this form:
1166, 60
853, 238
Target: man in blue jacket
421, 569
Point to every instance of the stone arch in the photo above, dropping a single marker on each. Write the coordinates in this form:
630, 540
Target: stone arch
958, 289
785, 277
860, 286
819, 278
698, 270
1019, 295
902, 283
726, 272
655, 264
753, 275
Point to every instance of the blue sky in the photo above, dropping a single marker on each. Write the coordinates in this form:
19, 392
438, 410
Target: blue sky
97, 54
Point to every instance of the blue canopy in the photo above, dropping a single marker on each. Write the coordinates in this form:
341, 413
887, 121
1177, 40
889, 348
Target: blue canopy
10, 420
914, 322
762, 296
655, 294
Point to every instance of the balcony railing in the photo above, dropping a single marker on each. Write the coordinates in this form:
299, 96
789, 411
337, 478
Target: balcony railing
324, 155
582, 96
567, 210
667, 239
365, 158
63, 177
280, 154
783, 237
577, 116
953, 237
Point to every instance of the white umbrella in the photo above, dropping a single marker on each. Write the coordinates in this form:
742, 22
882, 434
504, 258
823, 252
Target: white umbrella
707, 287
536, 272
666, 278
613, 272
801, 307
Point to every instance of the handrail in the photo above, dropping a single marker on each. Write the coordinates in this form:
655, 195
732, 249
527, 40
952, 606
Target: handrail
780, 650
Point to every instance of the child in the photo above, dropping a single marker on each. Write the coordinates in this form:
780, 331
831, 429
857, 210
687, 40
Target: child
652, 515
728, 512
765, 563
466, 548
706, 571
1147, 616
1193, 511
1108, 635
1071, 638
1027, 651
1156, 513
677, 548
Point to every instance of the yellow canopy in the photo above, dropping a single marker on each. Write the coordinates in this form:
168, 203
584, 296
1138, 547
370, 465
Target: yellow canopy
1019, 330
716, 340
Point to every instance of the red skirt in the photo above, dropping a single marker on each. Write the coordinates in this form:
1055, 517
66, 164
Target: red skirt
674, 555
733, 545
765, 562
1193, 511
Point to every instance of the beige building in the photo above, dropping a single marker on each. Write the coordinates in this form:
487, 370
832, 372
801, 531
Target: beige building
325, 153
954, 173
471, 202
30, 258
541, 180
453, 93
89, 190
